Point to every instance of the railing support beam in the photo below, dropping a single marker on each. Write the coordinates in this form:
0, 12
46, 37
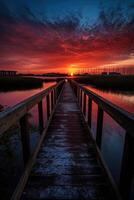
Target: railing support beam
89, 111
48, 106
40, 113
25, 138
99, 127
84, 105
52, 103
127, 167
81, 98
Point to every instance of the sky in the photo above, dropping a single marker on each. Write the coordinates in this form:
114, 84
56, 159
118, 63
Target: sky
41, 36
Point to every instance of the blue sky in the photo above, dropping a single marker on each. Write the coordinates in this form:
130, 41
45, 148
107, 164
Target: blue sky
52, 9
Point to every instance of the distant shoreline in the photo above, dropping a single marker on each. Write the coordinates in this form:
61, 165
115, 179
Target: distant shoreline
19, 83
122, 82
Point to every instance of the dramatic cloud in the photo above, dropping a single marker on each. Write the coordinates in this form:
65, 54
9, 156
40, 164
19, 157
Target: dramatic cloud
31, 43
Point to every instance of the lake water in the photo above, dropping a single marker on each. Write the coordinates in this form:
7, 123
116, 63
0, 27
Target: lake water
11, 157
11, 98
113, 135
10, 144
123, 99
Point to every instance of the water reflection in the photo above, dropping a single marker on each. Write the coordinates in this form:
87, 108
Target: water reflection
11, 98
122, 99
113, 135
11, 157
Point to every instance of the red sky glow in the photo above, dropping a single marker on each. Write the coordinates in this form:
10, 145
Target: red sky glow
30, 46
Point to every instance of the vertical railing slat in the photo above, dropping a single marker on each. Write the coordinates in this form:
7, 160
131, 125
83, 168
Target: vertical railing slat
40, 113
48, 106
55, 96
52, 101
25, 138
81, 98
84, 104
89, 111
127, 167
99, 127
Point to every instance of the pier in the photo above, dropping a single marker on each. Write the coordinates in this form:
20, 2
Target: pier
67, 162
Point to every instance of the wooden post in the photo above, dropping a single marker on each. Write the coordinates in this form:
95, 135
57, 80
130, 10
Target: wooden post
55, 95
48, 106
89, 111
75, 90
99, 127
25, 138
78, 94
52, 101
53, 98
81, 99
84, 104
57, 91
40, 113
127, 167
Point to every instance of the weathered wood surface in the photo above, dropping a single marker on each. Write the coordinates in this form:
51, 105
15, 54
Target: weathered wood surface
121, 116
10, 116
67, 166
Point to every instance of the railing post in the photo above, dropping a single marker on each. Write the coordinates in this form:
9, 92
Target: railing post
52, 101
99, 127
25, 138
84, 104
55, 95
40, 113
78, 96
48, 106
81, 98
75, 90
127, 167
89, 111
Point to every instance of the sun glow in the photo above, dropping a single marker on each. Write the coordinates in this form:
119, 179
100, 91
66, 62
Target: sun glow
72, 74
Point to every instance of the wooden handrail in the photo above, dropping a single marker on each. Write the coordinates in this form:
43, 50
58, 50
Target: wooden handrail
12, 115
123, 118
18, 113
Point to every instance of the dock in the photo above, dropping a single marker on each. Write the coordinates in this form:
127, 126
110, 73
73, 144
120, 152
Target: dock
67, 166
67, 163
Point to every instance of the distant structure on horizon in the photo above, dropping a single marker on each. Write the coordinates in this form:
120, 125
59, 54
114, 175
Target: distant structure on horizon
107, 70
4, 73
111, 73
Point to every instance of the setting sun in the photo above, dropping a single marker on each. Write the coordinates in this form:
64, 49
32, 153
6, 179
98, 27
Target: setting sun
72, 74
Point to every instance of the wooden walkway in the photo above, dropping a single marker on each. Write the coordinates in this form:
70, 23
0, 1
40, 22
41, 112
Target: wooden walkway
67, 166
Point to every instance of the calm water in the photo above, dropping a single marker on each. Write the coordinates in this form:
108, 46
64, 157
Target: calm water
113, 134
11, 157
122, 99
11, 98
10, 144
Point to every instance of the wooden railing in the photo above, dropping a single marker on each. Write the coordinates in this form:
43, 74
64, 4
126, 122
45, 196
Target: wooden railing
123, 118
19, 113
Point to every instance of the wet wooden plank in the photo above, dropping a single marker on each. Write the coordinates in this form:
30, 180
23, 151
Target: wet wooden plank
67, 166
